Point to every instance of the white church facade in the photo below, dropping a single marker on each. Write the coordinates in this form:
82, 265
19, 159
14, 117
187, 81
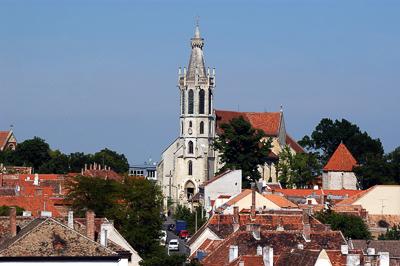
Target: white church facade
190, 160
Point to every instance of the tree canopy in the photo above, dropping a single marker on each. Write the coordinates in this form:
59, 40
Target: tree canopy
297, 170
351, 226
243, 147
328, 134
134, 206
374, 167
391, 233
37, 153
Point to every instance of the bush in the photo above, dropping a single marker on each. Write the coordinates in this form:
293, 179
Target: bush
5, 210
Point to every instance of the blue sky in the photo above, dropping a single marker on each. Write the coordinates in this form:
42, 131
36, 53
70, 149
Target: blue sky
85, 75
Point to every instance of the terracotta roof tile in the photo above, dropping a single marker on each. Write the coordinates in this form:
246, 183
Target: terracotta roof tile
355, 197
293, 144
249, 260
3, 138
341, 160
269, 122
280, 201
319, 192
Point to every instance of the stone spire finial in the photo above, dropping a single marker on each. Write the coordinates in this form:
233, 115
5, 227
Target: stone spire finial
196, 58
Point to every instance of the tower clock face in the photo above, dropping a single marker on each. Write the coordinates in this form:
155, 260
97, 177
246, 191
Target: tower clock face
190, 131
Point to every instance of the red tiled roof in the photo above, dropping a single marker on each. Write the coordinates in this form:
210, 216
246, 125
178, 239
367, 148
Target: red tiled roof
355, 197
341, 160
268, 122
238, 197
3, 138
309, 192
280, 201
249, 260
293, 144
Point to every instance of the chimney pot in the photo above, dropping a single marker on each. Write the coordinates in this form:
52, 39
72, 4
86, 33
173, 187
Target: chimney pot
13, 221
90, 224
71, 219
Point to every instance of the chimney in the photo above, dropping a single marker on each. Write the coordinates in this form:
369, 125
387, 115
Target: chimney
90, 224
384, 259
268, 256
36, 180
353, 259
71, 219
85, 167
253, 200
259, 251
236, 214
233, 253
236, 218
344, 249
13, 221
306, 225
104, 232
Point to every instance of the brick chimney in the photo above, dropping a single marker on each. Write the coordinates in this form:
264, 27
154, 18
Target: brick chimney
13, 221
90, 224
253, 200
236, 218
306, 225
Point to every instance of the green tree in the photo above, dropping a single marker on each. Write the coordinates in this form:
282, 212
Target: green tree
142, 222
328, 134
77, 161
92, 193
32, 152
58, 164
297, 170
391, 233
163, 259
116, 161
243, 147
134, 205
5, 210
184, 213
351, 226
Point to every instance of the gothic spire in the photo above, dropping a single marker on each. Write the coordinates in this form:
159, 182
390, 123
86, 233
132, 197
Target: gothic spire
196, 62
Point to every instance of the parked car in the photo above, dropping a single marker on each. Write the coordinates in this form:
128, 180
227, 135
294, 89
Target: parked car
171, 227
184, 234
163, 238
173, 245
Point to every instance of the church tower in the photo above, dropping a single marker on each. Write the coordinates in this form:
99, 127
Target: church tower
196, 86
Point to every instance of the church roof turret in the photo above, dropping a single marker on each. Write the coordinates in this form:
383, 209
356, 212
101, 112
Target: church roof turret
196, 62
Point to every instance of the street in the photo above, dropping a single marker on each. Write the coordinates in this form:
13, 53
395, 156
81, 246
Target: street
183, 249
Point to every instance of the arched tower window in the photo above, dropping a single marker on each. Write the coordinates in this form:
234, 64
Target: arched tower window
201, 101
183, 102
190, 144
209, 102
190, 104
190, 168
190, 124
201, 127
182, 127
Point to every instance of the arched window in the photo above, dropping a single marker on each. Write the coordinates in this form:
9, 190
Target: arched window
190, 124
189, 189
190, 144
183, 101
201, 127
209, 101
190, 168
191, 107
201, 101
209, 127
182, 127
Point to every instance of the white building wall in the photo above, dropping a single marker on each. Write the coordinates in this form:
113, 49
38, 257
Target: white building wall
382, 199
228, 184
339, 180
